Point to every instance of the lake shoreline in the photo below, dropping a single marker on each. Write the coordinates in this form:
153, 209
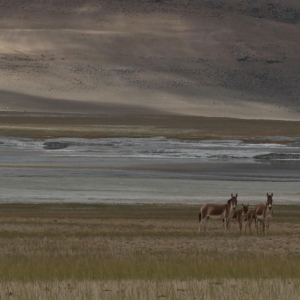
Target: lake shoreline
47, 125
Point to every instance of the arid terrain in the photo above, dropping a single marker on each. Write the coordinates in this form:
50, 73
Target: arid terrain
214, 58
91, 251
125, 230
189, 70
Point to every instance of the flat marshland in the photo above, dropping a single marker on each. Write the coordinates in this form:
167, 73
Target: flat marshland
90, 251
43, 126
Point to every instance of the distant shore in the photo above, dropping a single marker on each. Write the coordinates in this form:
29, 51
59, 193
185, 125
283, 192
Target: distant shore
48, 125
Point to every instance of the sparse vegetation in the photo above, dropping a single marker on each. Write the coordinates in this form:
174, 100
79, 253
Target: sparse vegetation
179, 127
142, 251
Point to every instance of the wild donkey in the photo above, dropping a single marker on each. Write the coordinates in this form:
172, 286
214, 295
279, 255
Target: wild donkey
240, 216
249, 218
217, 211
263, 213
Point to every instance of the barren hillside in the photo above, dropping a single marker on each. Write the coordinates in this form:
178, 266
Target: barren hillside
192, 57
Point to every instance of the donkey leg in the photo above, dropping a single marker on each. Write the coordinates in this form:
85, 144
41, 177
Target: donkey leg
267, 224
256, 225
205, 223
240, 225
250, 223
227, 225
202, 224
245, 228
264, 226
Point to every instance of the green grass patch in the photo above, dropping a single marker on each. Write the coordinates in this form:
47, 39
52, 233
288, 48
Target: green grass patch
124, 211
144, 267
54, 242
103, 211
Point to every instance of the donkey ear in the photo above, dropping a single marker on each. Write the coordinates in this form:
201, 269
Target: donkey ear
231, 195
236, 195
267, 194
272, 195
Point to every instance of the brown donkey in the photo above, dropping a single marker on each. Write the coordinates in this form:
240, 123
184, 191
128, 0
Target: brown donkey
249, 218
263, 213
240, 216
217, 211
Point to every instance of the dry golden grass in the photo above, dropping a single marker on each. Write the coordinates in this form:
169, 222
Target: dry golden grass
87, 250
154, 289
137, 233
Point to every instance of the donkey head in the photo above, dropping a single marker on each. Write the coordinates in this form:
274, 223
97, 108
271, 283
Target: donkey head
233, 201
245, 209
269, 200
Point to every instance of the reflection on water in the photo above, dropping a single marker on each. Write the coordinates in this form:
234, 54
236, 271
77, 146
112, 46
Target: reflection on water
147, 170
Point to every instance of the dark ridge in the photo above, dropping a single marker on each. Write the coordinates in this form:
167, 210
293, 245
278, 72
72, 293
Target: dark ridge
277, 156
55, 145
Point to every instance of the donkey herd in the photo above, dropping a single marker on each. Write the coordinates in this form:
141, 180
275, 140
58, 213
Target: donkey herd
261, 214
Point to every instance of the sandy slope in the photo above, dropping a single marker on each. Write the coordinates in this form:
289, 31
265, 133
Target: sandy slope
205, 58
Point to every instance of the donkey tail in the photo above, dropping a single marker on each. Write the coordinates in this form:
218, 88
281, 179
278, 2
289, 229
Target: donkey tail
199, 216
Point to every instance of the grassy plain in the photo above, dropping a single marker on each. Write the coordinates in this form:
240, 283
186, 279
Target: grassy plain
93, 251
97, 251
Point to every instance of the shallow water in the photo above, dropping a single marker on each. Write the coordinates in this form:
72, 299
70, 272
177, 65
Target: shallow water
147, 170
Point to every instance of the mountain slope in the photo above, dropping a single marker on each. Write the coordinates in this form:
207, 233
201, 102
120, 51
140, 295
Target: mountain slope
204, 58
